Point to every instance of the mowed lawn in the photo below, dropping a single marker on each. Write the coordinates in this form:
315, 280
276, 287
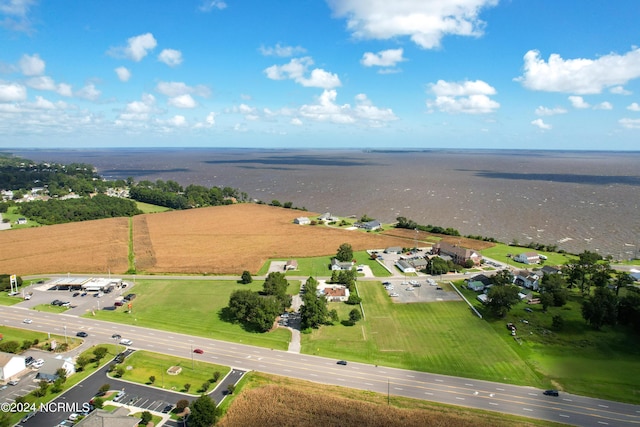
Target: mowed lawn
439, 337
192, 307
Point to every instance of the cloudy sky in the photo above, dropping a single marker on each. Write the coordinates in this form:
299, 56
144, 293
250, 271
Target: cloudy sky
544, 74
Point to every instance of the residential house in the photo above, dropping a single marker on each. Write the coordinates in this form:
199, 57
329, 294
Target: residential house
339, 265
336, 293
21, 221
10, 365
547, 269
327, 217
419, 263
475, 286
405, 267
528, 280
292, 264
302, 220
369, 226
119, 417
527, 258
49, 371
458, 254
483, 298
481, 278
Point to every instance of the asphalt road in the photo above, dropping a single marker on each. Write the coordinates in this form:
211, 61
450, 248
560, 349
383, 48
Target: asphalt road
505, 398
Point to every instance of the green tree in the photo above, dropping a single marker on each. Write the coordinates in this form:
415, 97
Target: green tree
556, 286
145, 418
354, 299
345, 253
502, 278
546, 299
629, 310
231, 388
203, 412
313, 312
601, 308
104, 388
502, 298
437, 265
246, 277
187, 386
100, 353
81, 362
216, 376
622, 280
355, 315
181, 404
152, 379
98, 402
557, 322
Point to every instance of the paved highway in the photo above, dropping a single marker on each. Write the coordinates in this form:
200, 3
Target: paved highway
505, 398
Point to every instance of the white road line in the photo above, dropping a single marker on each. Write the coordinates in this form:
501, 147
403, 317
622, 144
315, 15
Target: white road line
603, 406
440, 381
563, 415
459, 398
469, 385
527, 409
493, 403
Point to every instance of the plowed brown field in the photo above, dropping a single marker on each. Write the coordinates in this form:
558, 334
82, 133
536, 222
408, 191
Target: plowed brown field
82, 247
217, 240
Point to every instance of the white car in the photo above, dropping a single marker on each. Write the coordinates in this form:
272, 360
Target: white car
38, 364
73, 417
126, 342
27, 321
393, 294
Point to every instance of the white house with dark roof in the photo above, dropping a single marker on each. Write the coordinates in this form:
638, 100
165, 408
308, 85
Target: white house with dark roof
302, 220
405, 267
340, 266
369, 225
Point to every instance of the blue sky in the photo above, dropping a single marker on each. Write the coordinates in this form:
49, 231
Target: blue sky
521, 74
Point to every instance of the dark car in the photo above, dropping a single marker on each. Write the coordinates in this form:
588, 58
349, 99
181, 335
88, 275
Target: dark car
198, 350
75, 294
56, 302
528, 310
82, 334
28, 361
116, 336
84, 294
551, 393
342, 362
130, 297
167, 409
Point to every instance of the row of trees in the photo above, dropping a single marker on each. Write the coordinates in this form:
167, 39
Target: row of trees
403, 222
54, 211
172, 195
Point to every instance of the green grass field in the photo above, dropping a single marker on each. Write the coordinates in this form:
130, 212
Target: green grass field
5, 299
319, 266
48, 308
437, 337
577, 358
149, 208
192, 307
145, 364
499, 253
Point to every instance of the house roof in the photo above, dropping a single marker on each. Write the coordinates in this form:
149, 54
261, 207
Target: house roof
119, 417
335, 291
529, 255
6, 358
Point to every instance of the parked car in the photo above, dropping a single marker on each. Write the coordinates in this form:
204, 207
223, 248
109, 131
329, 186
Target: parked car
84, 294
119, 396
38, 364
551, 393
28, 417
29, 360
73, 417
198, 350
82, 334
75, 294
130, 297
13, 382
56, 302
167, 409
528, 310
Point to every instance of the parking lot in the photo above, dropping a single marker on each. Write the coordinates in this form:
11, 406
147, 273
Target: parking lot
418, 289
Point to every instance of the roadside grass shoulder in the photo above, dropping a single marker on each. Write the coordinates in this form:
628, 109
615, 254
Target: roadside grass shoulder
44, 340
192, 307
144, 364
48, 308
439, 337
320, 266
5, 299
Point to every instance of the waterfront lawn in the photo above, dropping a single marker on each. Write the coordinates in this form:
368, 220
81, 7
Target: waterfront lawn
440, 337
500, 251
192, 307
145, 364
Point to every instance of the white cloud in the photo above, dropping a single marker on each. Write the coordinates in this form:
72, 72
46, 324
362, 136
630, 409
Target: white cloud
544, 111
12, 92
282, 51
89, 92
634, 107
579, 76
296, 70
209, 5
64, 89
630, 123
177, 121
426, 22
296, 121
183, 101
41, 83
171, 57
139, 110
326, 110
578, 102
603, 106
123, 74
16, 12
384, 58
619, 90
469, 97
174, 89
31, 65
541, 124
211, 119
137, 47
43, 104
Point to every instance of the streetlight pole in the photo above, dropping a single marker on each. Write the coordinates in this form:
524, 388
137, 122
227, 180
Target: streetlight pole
65, 335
